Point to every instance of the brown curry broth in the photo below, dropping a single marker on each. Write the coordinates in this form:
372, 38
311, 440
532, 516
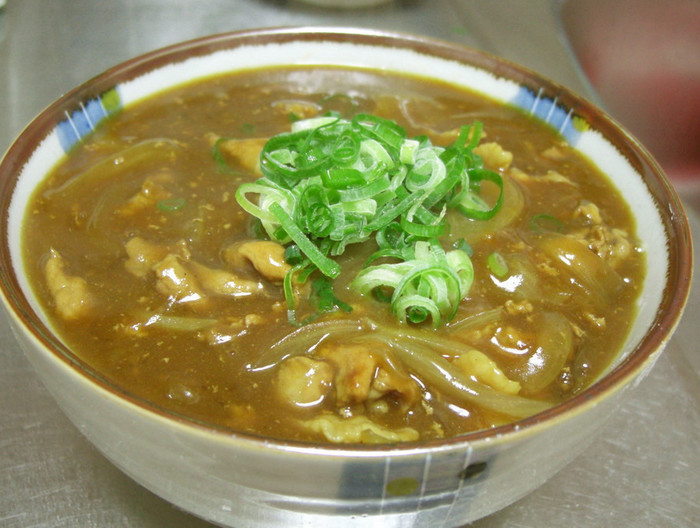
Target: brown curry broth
210, 382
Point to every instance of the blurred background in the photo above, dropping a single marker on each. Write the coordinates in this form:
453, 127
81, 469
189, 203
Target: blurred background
639, 59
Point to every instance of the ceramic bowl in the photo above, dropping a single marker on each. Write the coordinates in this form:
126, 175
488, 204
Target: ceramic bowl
238, 480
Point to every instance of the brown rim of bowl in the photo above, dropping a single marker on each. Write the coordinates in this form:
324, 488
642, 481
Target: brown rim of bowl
675, 223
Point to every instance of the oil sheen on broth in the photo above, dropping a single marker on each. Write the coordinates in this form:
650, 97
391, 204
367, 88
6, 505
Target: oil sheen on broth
156, 277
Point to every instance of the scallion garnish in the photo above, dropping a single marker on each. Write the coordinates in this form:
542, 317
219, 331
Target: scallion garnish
171, 204
327, 301
331, 182
464, 246
497, 264
546, 222
218, 157
292, 255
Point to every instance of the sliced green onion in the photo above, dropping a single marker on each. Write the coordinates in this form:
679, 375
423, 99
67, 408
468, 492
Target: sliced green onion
292, 255
332, 182
325, 265
327, 301
288, 287
313, 123
342, 178
407, 153
267, 195
472, 205
171, 204
464, 246
248, 128
218, 157
497, 264
431, 284
545, 222
422, 230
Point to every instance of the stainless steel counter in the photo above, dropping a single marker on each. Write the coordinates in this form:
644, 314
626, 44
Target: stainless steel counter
642, 472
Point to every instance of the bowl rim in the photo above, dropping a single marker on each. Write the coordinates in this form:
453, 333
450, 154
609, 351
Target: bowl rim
637, 363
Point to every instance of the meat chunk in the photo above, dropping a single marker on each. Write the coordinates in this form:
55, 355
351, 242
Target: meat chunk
144, 255
223, 282
482, 368
355, 370
551, 176
180, 277
245, 152
556, 152
512, 307
71, 295
191, 282
611, 244
300, 109
588, 213
174, 280
358, 429
227, 329
494, 157
152, 191
267, 258
303, 381
363, 376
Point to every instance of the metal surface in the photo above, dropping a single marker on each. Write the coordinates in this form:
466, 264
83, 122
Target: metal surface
643, 470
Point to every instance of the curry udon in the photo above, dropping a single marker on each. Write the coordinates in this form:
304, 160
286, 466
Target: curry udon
142, 247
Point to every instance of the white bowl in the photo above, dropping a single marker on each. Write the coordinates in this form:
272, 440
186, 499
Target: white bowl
240, 480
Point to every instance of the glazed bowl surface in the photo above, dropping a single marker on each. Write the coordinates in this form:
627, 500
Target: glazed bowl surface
240, 480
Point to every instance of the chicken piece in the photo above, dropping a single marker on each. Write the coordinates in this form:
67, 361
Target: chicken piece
362, 376
246, 152
223, 331
300, 109
494, 157
304, 382
512, 307
609, 243
253, 319
479, 366
391, 380
144, 255
358, 430
180, 277
267, 258
556, 152
555, 177
223, 282
176, 281
355, 371
550, 176
589, 213
71, 295
152, 191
